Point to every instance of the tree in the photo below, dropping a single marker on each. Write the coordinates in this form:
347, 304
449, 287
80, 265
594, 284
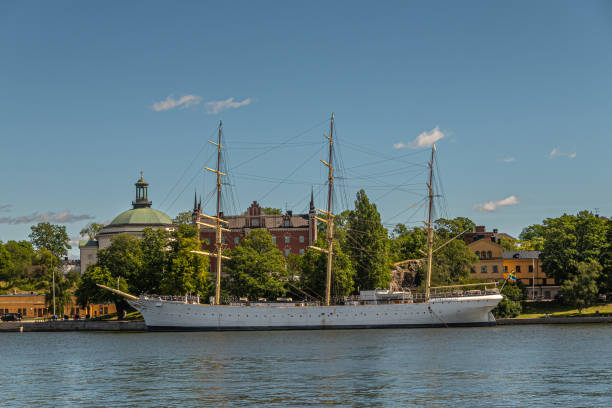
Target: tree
155, 256
407, 243
571, 239
62, 294
52, 237
256, 268
313, 272
91, 230
123, 258
183, 218
510, 306
22, 256
89, 291
184, 272
535, 235
367, 245
271, 211
580, 290
452, 259
6, 263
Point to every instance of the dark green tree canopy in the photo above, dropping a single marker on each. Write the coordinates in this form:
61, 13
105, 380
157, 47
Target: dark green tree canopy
91, 230
52, 237
581, 290
256, 268
367, 245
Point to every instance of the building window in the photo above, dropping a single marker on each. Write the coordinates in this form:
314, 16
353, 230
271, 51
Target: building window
286, 223
287, 239
255, 222
223, 240
489, 255
287, 251
274, 240
236, 240
505, 268
495, 269
547, 294
518, 269
530, 268
207, 241
483, 269
473, 270
301, 239
302, 251
478, 254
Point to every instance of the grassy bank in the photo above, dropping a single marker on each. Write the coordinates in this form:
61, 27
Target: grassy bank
555, 309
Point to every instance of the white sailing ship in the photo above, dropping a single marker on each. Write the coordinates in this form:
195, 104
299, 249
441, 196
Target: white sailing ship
372, 309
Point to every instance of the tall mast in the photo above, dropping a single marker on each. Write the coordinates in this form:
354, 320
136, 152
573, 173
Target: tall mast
429, 227
330, 217
217, 225
217, 221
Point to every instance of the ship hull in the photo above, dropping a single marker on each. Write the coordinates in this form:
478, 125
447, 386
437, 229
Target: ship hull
162, 315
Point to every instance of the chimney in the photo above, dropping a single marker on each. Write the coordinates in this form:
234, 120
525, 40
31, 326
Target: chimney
495, 230
480, 228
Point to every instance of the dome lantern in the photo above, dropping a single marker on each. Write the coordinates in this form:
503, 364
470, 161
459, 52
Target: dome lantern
142, 194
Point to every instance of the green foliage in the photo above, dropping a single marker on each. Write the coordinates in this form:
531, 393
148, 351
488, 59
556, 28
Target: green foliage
367, 245
62, 294
183, 218
123, 258
407, 243
452, 260
313, 272
534, 234
21, 257
581, 289
510, 244
256, 268
91, 230
571, 239
271, 211
510, 306
184, 272
89, 292
52, 237
456, 225
6, 263
155, 256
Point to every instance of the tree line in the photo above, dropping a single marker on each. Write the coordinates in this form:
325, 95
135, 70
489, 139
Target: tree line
576, 251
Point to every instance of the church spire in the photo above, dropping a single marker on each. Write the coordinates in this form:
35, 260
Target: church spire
142, 194
312, 206
195, 201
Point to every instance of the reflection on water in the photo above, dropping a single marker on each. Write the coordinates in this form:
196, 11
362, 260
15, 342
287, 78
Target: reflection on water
501, 366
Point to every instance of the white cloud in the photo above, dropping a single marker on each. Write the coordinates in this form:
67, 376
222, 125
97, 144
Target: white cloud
183, 102
556, 152
509, 159
491, 206
63, 218
425, 139
214, 107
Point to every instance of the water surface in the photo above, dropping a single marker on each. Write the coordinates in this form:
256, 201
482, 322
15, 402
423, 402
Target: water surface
545, 365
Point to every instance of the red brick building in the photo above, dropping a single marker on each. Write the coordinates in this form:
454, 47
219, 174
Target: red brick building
482, 233
292, 233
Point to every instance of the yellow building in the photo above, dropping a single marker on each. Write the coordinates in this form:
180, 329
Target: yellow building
528, 269
490, 260
33, 306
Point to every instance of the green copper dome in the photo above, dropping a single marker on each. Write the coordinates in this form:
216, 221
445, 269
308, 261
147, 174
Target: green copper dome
144, 215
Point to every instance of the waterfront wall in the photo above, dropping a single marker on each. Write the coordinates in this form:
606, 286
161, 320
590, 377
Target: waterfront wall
556, 320
73, 325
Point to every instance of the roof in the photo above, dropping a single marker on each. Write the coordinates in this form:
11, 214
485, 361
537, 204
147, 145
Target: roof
269, 221
145, 215
521, 254
88, 244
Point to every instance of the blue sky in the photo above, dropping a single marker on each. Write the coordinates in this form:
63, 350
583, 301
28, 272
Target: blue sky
517, 94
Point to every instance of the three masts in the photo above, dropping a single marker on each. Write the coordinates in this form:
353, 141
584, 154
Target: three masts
373, 309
